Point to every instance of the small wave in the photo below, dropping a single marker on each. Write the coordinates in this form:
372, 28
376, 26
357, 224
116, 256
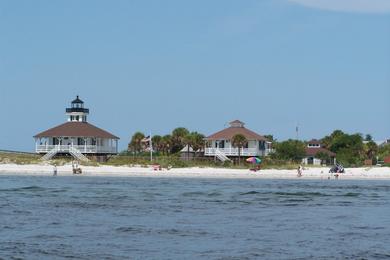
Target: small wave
296, 200
194, 193
182, 233
27, 188
302, 193
214, 194
22, 212
84, 205
351, 194
46, 237
133, 230
291, 204
250, 193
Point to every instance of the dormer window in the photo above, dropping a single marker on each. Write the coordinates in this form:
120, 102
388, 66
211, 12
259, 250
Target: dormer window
314, 144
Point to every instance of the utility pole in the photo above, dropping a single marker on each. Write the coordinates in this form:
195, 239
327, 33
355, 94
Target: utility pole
151, 147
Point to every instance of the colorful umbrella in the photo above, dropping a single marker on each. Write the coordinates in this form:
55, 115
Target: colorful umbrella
253, 160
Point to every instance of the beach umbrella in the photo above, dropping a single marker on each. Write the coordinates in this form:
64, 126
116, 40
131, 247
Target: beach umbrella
253, 160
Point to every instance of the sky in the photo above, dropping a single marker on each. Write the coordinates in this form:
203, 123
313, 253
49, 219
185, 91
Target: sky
151, 66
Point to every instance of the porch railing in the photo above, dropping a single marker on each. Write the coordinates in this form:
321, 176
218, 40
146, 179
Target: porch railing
234, 151
81, 148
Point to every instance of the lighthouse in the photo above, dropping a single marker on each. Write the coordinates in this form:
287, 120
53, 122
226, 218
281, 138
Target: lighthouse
77, 112
76, 137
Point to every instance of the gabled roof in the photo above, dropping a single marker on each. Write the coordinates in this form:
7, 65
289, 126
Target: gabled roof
76, 129
314, 151
185, 149
228, 133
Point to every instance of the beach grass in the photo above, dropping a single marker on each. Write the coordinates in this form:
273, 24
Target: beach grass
177, 162
18, 158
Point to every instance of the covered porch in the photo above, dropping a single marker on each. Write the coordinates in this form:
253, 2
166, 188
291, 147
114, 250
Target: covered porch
85, 145
252, 148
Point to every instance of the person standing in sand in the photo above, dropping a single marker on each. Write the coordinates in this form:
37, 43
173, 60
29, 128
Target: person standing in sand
55, 170
300, 168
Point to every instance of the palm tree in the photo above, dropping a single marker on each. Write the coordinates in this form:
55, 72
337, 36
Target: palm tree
194, 140
166, 143
188, 141
178, 135
198, 141
135, 144
370, 149
239, 141
156, 141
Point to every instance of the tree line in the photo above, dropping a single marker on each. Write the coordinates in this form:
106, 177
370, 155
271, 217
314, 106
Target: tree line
173, 143
350, 149
170, 143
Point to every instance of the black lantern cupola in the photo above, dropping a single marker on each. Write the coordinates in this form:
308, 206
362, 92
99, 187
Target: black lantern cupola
77, 112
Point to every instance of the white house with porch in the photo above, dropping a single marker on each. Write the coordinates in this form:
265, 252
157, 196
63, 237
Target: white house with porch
220, 144
76, 137
313, 150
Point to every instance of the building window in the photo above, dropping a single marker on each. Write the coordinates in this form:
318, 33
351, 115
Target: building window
261, 145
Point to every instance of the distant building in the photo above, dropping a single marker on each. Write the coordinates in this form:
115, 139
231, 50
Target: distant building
76, 137
383, 143
188, 153
387, 160
313, 149
220, 144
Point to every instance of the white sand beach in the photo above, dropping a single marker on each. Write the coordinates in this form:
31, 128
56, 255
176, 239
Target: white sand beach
124, 171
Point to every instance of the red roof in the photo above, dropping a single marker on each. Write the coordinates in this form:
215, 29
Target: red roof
228, 133
314, 151
76, 129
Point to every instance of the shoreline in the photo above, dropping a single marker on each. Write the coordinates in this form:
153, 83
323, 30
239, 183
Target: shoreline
372, 173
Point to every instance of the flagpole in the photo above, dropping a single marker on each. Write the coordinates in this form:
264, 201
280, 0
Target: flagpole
151, 147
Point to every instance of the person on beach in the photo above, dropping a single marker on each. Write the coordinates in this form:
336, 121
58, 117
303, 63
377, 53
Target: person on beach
55, 170
300, 168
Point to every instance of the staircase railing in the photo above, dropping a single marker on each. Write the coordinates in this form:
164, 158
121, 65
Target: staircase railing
77, 154
50, 154
221, 156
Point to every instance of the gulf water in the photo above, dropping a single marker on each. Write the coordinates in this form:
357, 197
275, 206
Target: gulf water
79, 217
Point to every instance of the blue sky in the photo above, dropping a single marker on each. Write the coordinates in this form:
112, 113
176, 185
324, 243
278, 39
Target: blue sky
155, 65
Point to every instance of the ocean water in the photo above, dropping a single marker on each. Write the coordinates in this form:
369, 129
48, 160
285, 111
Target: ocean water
80, 217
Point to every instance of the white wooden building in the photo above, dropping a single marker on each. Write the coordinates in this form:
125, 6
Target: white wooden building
220, 144
76, 137
313, 149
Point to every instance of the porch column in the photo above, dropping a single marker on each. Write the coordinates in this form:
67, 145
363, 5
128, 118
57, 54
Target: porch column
60, 143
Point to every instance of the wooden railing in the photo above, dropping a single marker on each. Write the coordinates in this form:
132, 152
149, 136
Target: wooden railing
81, 148
234, 151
